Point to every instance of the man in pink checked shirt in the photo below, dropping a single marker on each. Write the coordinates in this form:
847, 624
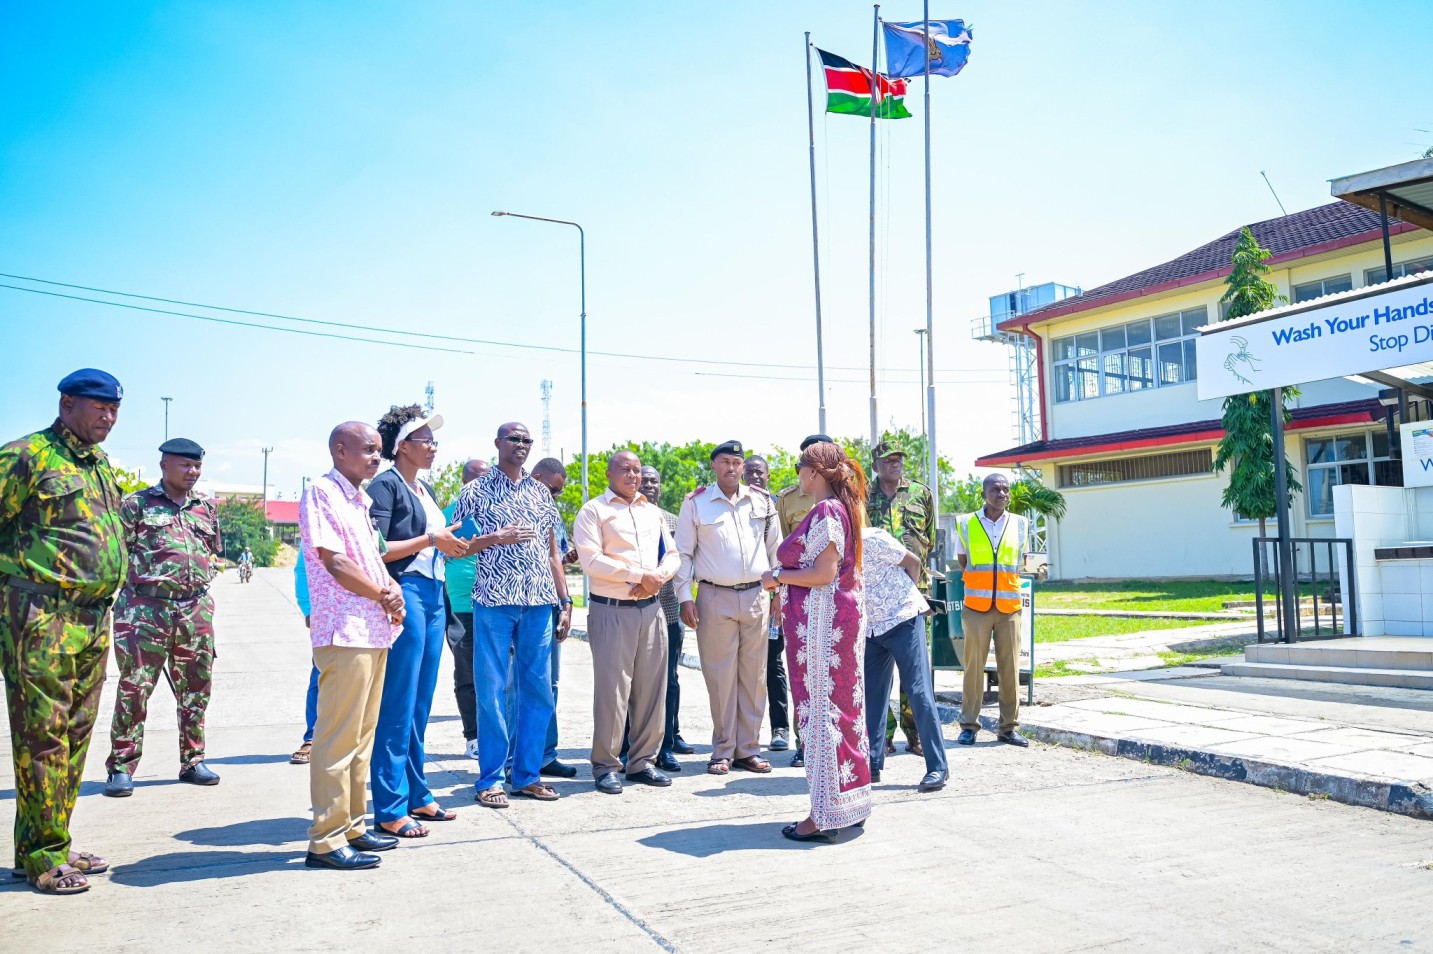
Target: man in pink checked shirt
357, 613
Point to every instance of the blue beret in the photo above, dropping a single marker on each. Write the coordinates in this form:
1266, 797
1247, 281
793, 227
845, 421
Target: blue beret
729, 447
182, 447
92, 383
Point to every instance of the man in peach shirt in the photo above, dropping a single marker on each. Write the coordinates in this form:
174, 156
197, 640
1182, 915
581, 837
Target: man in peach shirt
624, 546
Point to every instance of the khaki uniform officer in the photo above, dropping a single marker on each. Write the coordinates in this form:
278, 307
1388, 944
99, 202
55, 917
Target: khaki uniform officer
727, 535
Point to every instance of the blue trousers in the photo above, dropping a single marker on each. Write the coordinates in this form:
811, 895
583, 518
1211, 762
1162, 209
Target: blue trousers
398, 780
902, 648
520, 636
549, 749
311, 704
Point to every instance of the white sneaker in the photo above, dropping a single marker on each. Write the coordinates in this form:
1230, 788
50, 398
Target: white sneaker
780, 740
472, 750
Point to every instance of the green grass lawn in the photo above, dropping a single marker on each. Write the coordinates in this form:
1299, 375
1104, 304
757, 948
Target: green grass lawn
1058, 629
1186, 596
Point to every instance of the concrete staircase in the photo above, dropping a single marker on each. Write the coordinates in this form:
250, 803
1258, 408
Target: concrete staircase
1402, 661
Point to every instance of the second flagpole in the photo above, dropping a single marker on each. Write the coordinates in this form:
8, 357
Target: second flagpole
875, 95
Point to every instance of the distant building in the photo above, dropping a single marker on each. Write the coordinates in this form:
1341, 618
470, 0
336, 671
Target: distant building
283, 518
1124, 437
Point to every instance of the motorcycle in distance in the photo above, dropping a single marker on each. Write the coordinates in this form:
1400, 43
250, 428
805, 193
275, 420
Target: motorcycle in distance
246, 572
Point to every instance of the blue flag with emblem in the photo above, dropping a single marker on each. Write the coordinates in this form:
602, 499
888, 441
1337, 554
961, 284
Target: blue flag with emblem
907, 51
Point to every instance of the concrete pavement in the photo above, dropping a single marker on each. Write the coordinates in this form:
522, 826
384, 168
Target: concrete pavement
1046, 849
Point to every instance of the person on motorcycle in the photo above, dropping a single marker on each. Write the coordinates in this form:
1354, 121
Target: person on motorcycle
246, 563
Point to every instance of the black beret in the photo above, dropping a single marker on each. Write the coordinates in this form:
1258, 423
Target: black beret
92, 383
182, 447
729, 447
816, 439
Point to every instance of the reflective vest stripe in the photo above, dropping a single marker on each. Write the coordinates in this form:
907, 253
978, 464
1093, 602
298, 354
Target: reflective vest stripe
991, 574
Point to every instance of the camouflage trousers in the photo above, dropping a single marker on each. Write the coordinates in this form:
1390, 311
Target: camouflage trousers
152, 635
53, 656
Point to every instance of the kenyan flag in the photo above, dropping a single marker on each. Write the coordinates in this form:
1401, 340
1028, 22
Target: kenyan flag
848, 90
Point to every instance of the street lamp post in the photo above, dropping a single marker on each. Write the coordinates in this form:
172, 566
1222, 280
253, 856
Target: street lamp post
166, 401
582, 274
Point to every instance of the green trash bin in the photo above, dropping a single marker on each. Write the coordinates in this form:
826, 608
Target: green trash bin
946, 640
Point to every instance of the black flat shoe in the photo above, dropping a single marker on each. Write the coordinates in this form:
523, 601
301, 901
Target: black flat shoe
373, 841
1013, 738
649, 776
119, 785
342, 859
790, 831
608, 783
556, 769
199, 774
682, 747
875, 775
933, 782
668, 764
967, 737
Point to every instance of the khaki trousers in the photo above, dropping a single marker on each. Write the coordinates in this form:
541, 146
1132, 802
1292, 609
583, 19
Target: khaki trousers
979, 629
731, 640
629, 681
350, 688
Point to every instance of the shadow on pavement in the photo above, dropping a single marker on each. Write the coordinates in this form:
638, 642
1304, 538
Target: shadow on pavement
183, 866
761, 785
248, 759
257, 831
715, 839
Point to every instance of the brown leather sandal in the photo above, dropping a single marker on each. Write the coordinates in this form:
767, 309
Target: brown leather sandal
494, 797
538, 791
718, 766
753, 763
82, 861
61, 879
301, 756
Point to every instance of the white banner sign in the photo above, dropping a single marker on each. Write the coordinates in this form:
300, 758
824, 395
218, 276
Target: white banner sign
1345, 337
1417, 453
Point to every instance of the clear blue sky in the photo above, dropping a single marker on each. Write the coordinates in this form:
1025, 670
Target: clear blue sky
339, 161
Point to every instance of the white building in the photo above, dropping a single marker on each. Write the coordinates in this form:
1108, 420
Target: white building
1130, 445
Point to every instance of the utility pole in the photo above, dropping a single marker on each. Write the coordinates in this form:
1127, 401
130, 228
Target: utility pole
267, 451
921, 358
166, 401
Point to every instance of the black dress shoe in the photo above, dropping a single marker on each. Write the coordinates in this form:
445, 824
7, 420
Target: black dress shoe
681, 747
373, 841
608, 783
668, 764
799, 759
119, 785
556, 769
875, 775
933, 781
967, 737
1013, 738
342, 859
198, 774
649, 776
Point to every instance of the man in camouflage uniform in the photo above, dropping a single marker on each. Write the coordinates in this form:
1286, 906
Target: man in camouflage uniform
906, 509
62, 558
164, 619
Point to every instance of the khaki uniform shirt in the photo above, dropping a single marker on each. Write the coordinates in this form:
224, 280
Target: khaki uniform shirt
792, 506
725, 541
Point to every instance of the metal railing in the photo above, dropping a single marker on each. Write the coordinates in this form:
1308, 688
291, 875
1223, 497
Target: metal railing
1322, 566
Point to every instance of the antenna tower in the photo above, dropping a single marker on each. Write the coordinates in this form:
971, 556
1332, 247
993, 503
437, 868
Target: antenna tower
546, 418
428, 404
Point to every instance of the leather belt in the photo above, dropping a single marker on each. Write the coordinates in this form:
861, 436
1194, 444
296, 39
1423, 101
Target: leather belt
734, 586
57, 592
609, 601
160, 593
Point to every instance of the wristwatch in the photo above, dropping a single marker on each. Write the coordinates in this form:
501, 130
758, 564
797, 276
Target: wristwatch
432, 539
566, 601
776, 574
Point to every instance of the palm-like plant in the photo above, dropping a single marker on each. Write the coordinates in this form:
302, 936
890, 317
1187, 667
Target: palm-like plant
1029, 497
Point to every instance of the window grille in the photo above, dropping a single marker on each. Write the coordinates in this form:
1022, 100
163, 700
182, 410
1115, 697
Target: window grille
1119, 470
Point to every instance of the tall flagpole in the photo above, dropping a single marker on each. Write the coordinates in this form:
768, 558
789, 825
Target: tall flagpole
815, 241
932, 473
875, 94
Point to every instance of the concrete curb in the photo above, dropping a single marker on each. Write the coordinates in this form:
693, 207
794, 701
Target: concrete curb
1413, 799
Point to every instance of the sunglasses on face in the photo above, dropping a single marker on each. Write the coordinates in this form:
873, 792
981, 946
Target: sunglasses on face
521, 441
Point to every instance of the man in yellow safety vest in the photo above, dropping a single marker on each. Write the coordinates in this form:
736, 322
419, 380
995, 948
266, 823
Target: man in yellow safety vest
990, 545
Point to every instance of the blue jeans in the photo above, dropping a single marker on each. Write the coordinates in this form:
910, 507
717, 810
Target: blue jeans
311, 704
398, 780
520, 637
549, 751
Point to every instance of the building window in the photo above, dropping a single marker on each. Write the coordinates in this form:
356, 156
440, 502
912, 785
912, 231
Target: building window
1360, 458
1134, 356
1120, 470
1327, 286
1377, 276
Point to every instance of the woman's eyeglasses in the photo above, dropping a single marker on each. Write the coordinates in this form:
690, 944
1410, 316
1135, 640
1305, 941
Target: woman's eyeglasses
429, 442
522, 441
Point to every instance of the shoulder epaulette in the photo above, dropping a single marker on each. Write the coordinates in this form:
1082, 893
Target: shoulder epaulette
696, 493
761, 490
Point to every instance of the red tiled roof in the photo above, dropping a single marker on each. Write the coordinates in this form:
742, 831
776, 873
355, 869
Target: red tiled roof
1328, 227
1321, 415
283, 511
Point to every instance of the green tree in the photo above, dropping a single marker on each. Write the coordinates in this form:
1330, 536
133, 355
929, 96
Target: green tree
1247, 448
447, 480
1029, 497
129, 480
242, 524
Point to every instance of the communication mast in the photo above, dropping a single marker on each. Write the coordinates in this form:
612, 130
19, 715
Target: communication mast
546, 418
428, 406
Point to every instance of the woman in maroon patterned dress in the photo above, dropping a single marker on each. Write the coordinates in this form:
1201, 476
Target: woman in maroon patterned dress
820, 579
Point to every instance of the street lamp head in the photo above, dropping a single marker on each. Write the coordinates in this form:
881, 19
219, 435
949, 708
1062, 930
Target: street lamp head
499, 213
